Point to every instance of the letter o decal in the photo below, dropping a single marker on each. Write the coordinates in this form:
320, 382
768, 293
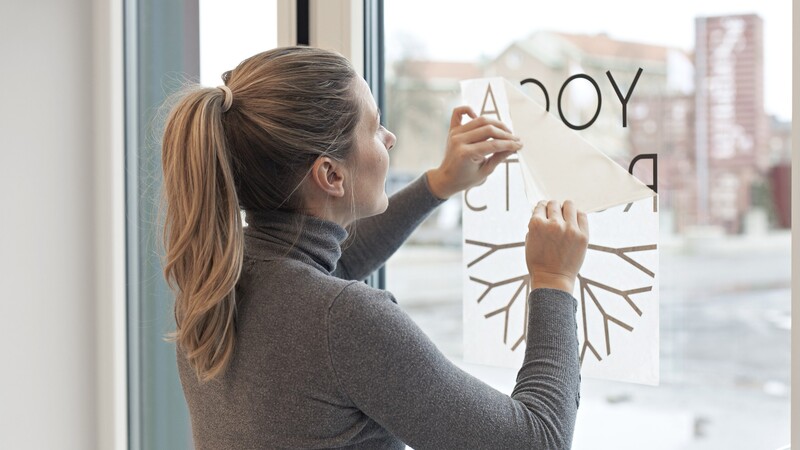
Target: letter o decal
541, 86
599, 102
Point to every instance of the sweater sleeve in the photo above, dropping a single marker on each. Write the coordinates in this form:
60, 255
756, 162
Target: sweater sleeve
374, 239
393, 373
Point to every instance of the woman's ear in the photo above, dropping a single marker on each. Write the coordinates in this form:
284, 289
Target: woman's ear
328, 175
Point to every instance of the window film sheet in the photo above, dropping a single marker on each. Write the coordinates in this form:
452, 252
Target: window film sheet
617, 288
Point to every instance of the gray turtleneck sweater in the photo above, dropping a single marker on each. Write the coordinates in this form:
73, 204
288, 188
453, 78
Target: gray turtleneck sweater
324, 361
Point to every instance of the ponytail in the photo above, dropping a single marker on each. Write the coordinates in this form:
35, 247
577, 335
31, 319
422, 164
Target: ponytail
281, 110
203, 233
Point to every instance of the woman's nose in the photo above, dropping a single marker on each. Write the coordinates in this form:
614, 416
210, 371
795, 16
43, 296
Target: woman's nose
391, 140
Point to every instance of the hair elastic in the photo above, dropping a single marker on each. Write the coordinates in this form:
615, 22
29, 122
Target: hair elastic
226, 104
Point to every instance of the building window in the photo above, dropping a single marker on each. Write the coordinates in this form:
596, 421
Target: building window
711, 104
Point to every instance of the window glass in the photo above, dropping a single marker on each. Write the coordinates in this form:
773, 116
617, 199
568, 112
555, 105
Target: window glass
723, 180
231, 31
163, 50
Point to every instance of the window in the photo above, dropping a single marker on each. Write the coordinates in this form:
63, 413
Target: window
167, 44
724, 208
232, 31
725, 296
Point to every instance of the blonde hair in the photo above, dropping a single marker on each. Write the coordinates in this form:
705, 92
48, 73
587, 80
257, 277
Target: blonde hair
290, 106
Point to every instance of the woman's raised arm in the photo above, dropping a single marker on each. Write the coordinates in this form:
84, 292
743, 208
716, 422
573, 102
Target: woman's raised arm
473, 151
392, 372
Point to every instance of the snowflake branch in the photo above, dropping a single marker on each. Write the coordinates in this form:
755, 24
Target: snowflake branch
624, 294
492, 248
623, 253
490, 285
524, 284
585, 286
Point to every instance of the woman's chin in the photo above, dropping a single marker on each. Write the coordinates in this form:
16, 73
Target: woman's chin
382, 205
379, 207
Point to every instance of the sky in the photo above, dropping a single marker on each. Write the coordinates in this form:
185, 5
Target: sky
460, 30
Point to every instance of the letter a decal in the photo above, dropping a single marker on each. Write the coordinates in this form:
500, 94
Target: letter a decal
494, 111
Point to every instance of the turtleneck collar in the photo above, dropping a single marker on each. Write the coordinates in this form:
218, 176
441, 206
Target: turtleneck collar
281, 234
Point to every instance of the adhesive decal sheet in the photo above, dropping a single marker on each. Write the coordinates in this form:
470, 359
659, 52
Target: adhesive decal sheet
617, 288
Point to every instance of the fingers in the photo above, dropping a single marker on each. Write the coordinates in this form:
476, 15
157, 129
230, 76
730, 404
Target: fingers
583, 223
494, 146
570, 213
483, 133
574, 217
555, 251
540, 210
458, 112
476, 148
482, 136
493, 161
481, 121
554, 211
547, 210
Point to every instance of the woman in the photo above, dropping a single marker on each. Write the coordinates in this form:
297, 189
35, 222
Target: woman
278, 343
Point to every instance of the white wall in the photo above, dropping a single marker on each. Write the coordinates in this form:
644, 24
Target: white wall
53, 203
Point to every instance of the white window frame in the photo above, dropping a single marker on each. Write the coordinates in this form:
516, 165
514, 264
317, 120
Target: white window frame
111, 405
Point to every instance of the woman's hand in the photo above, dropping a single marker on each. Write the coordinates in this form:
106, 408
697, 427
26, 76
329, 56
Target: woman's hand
473, 151
555, 245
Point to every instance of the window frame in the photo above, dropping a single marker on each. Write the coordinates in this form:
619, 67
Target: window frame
116, 25
110, 270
